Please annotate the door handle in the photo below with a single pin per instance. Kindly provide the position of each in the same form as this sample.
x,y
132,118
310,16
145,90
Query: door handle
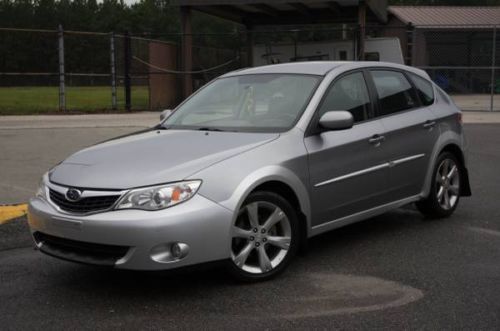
x,y
429,124
376,140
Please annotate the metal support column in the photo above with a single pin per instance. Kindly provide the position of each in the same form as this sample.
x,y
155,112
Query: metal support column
x,y
493,64
62,88
126,70
250,41
113,70
240,64
362,30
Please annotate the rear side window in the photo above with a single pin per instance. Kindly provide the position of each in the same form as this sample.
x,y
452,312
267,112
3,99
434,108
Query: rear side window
x,y
424,89
394,91
348,93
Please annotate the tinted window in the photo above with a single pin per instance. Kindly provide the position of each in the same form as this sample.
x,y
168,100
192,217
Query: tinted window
x,y
394,91
424,89
348,93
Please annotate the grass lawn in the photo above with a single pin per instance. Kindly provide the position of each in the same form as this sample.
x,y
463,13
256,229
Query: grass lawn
x,y
42,100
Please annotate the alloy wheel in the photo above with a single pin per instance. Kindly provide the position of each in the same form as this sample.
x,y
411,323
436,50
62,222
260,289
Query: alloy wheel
x,y
447,184
261,237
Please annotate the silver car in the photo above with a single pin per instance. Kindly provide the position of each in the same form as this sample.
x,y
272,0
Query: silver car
x,y
255,163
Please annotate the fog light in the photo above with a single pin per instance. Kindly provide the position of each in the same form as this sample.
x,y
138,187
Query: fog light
x,y
169,252
176,250
179,250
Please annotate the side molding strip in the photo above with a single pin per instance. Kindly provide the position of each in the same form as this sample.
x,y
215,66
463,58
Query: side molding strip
x,y
371,169
406,159
353,174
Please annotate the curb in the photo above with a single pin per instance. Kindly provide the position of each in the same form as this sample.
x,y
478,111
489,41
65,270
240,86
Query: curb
x,y
10,212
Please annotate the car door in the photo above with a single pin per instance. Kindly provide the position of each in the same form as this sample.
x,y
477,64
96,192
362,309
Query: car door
x,y
410,131
347,170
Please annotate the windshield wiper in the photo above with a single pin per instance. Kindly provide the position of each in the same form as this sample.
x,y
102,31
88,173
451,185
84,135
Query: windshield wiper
x,y
160,127
210,129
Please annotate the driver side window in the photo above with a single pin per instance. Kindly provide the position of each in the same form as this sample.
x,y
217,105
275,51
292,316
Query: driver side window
x,y
348,93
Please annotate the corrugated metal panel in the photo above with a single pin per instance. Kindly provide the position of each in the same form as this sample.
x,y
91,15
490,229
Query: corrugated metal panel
x,y
378,7
447,15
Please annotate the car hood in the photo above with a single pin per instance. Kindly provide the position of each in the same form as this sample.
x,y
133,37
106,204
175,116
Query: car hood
x,y
154,157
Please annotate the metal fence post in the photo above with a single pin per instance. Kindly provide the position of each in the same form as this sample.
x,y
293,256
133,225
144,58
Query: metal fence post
x,y
113,70
493,64
127,63
239,49
410,44
62,94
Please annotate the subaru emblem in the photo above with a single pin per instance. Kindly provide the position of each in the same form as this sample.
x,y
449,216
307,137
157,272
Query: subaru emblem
x,y
73,194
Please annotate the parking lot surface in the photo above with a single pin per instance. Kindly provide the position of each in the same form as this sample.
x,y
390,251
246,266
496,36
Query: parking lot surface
x,y
395,271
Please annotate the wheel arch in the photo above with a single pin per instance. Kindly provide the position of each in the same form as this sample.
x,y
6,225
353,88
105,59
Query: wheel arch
x,y
454,149
452,146
281,181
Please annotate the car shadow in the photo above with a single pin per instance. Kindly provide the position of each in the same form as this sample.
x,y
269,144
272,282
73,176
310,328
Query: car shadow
x,y
213,275
338,270
396,222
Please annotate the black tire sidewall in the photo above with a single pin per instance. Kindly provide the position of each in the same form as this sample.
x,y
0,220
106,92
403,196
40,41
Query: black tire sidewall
x,y
291,213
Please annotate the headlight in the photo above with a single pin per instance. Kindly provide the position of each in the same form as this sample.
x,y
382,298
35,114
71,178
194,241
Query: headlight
x,y
41,192
159,197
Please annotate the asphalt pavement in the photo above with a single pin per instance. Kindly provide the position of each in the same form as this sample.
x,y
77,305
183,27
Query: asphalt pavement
x,y
395,271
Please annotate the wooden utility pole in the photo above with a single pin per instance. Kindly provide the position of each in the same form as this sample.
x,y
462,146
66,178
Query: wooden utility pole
x,y
186,51
362,30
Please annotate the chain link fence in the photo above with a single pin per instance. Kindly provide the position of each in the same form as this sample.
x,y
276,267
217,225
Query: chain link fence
x,y
55,71
464,61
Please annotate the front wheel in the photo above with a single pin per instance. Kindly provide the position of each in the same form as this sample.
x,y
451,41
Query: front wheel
x,y
445,188
264,237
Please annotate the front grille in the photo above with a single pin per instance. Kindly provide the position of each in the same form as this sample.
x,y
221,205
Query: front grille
x,y
79,251
84,205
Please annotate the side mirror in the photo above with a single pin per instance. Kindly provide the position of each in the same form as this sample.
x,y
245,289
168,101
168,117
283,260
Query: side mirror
x,y
165,113
336,120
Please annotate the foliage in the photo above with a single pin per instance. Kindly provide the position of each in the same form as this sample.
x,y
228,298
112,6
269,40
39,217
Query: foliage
x,y
37,52
89,15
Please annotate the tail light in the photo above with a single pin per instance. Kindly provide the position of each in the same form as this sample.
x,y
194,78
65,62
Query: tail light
x,y
460,118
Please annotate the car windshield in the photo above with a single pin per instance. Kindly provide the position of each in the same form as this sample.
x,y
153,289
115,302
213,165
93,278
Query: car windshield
x,y
255,103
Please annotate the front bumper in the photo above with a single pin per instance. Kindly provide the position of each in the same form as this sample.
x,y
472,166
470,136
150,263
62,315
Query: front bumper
x,y
145,236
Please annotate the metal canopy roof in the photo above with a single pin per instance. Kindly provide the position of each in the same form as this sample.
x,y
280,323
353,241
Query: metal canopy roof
x,y
274,12
447,15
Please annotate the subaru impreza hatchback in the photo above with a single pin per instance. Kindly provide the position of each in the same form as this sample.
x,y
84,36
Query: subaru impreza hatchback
x,y
252,165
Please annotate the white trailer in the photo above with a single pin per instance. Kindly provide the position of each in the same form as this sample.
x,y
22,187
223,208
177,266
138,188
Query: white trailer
x,y
376,49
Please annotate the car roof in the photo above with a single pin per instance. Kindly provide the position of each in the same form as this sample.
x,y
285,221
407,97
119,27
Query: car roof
x,y
320,68
312,68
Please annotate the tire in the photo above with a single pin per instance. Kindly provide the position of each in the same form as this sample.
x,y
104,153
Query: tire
x,y
262,250
445,192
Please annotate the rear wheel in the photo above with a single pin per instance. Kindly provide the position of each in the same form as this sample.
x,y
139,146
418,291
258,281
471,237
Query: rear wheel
x,y
264,237
445,188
